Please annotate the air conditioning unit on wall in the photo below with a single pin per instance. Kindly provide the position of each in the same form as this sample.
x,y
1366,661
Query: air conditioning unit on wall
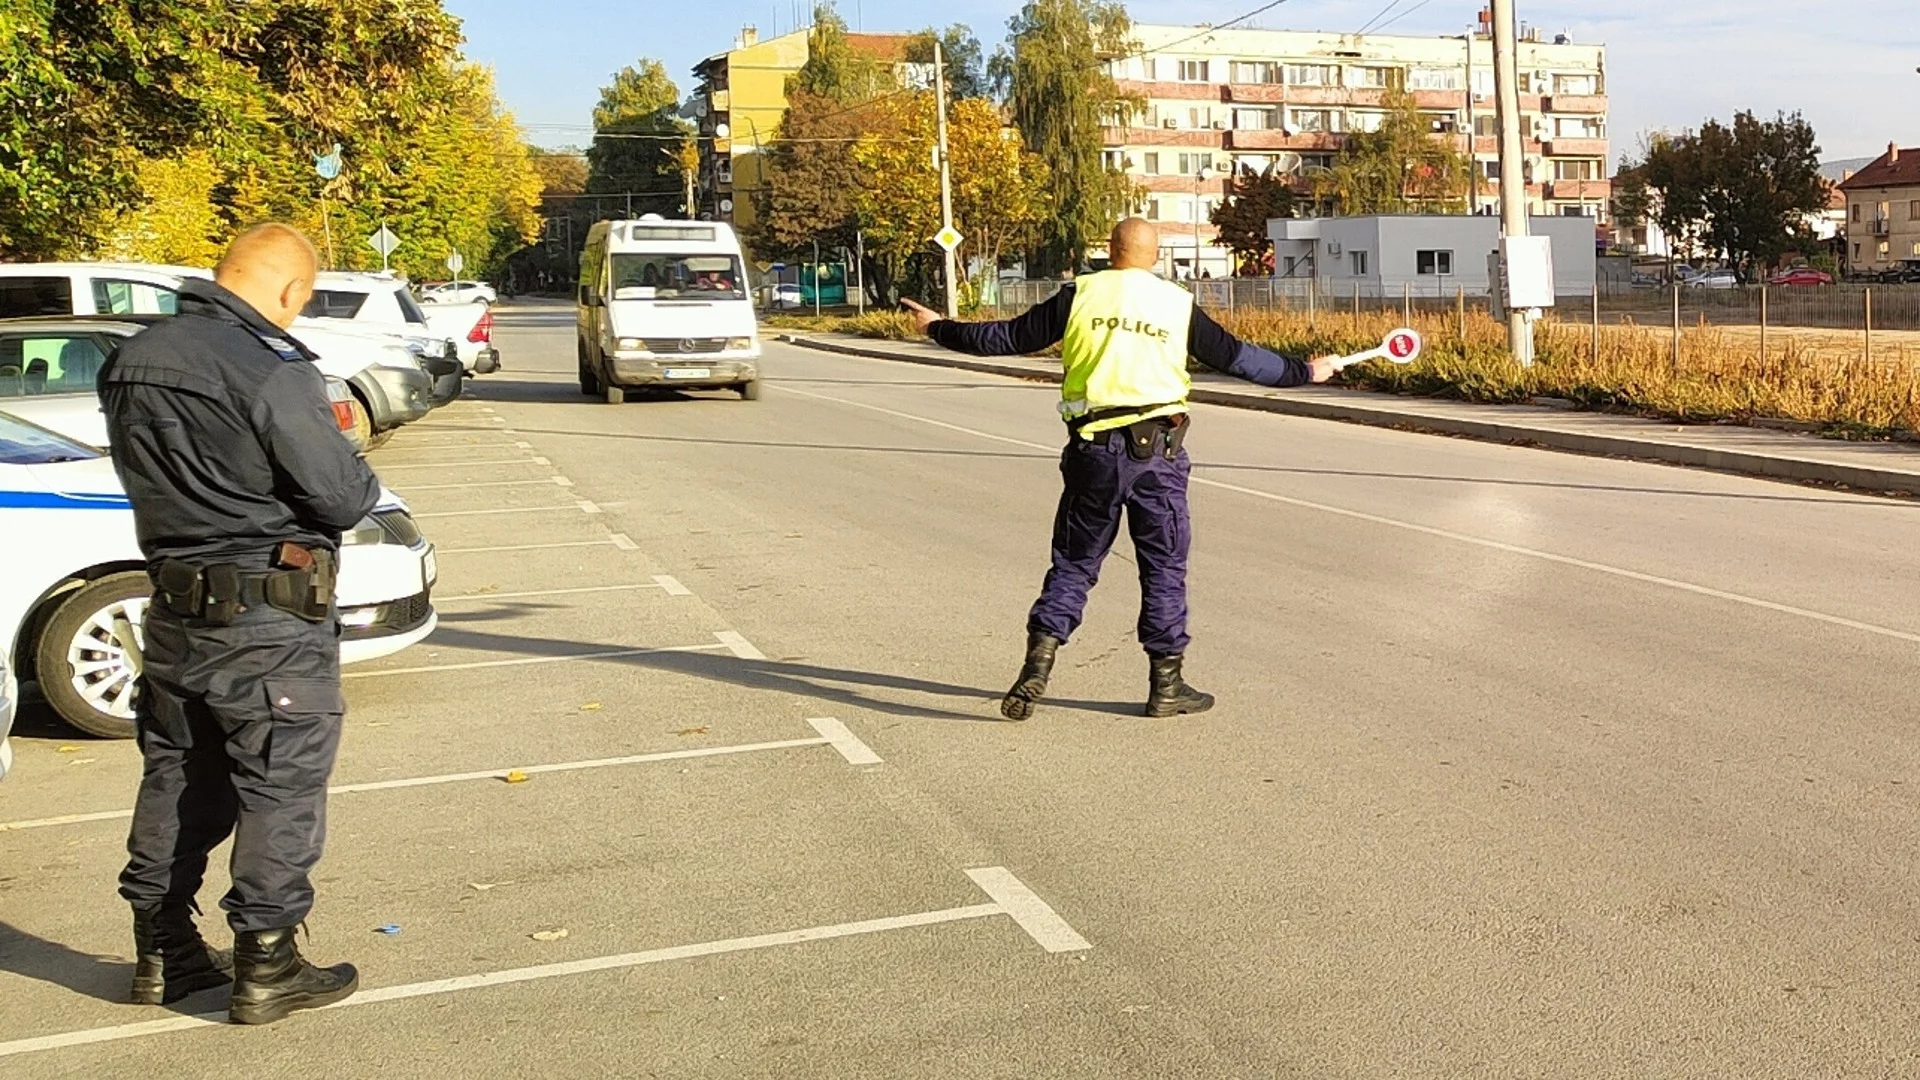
x,y
1219,125
1170,124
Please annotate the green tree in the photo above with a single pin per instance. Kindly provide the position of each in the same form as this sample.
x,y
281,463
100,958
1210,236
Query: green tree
x,y
1062,98
1743,189
1399,168
835,70
638,140
563,172
964,58
1252,200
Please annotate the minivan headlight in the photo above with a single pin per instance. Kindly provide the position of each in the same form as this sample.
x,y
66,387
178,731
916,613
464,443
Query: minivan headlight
x,y
738,343
628,343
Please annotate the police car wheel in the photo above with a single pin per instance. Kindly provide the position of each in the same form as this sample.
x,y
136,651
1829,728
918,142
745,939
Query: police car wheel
x,y
89,654
589,382
750,391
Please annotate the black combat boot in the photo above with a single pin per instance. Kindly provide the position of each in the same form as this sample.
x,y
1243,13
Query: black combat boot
x,y
1032,684
1168,694
171,959
272,979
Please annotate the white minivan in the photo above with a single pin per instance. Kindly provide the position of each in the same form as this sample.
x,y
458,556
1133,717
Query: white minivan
x,y
665,304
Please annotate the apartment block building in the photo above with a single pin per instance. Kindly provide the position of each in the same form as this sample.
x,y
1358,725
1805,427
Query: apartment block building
x,y
1883,211
1217,101
738,103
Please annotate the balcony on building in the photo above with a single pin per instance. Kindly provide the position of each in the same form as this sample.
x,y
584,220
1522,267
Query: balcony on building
x,y
1576,147
1181,91
1275,139
1594,104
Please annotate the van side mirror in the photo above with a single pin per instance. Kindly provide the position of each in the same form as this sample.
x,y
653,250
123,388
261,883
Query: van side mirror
x,y
589,298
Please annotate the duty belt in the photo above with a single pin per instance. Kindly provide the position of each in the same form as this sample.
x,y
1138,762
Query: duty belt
x,y
1160,434
302,587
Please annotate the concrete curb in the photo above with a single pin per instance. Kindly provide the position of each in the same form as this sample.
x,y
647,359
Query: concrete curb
x,y
1744,462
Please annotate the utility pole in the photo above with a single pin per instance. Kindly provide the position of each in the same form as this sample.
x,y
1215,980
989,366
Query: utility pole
x,y
946,176
1473,163
1513,184
860,264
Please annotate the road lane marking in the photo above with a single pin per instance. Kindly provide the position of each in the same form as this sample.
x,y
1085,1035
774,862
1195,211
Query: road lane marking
x,y
1032,915
845,741
523,661
526,547
465,464
624,542
549,481
1444,534
538,460
507,510
672,585
842,741
626,587
739,646
588,507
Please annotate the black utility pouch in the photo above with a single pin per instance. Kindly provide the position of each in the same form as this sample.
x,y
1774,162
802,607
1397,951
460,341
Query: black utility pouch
x,y
1144,438
223,594
1177,433
179,588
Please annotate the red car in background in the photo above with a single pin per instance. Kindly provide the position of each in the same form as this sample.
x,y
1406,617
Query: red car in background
x,y
1801,275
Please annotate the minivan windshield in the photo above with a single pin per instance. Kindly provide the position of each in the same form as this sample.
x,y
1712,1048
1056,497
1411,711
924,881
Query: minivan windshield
x,y
676,277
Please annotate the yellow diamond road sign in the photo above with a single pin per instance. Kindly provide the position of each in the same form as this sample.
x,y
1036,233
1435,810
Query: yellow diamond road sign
x,y
948,238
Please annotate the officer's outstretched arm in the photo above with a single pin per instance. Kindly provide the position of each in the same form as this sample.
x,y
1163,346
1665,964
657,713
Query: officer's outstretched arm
x,y
1037,329
1211,344
316,471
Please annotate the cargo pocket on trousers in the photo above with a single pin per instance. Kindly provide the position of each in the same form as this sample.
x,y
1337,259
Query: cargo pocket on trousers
x,y
296,700
305,732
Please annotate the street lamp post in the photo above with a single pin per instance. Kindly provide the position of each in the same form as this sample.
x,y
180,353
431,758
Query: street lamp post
x,y
1199,179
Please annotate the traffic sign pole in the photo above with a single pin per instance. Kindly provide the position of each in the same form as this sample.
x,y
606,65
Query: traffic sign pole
x,y
946,176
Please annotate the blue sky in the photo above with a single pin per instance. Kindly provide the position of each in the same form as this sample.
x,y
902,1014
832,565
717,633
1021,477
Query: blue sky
x,y
1847,64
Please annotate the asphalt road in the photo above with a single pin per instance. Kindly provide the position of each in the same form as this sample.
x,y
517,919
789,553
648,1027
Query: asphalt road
x,y
1526,765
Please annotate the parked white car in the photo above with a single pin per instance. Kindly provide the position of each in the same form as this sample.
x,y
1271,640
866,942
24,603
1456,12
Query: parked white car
x,y
382,302
1714,279
75,593
388,375
458,292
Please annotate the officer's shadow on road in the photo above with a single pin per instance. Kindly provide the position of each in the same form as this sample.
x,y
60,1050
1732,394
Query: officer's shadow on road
x,y
94,975
779,676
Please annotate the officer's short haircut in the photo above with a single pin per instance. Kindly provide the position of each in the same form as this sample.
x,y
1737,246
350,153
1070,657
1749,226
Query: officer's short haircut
x,y
270,242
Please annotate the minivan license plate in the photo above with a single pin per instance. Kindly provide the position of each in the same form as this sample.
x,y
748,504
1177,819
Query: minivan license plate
x,y
689,373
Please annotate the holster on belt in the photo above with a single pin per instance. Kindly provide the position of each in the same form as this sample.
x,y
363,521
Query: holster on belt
x,y
304,587
1161,434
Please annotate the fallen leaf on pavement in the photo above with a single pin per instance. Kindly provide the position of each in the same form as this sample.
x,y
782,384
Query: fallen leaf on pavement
x,y
515,777
591,706
83,761
554,934
483,886
692,730
68,750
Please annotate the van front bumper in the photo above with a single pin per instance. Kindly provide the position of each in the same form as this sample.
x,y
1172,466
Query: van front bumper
x,y
693,370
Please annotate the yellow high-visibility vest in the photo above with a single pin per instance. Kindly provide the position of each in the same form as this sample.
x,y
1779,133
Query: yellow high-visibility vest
x,y
1125,346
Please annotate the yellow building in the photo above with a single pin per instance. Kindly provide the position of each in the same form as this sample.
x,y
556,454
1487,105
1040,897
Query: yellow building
x,y
739,102
1883,212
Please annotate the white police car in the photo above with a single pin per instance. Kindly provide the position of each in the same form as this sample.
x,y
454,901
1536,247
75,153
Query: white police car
x,y
74,590
9,693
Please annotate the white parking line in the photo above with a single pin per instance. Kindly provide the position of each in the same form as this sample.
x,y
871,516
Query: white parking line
x,y
845,741
526,547
740,646
589,507
1059,937
510,510
628,587
672,585
539,460
523,661
624,542
465,464
455,778
551,481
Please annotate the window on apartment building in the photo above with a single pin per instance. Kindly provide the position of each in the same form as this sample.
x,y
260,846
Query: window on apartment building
x,y
1191,164
1884,250
1257,164
1442,123
1913,210
1316,161
1856,250
1378,78
1358,260
1150,164
1365,121
1577,210
1433,262
1315,120
1577,127
1576,169
1255,71
1195,70
1486,127
1115,160
1153,209
1448,78
1255,119
1856,214
1149,69
1916,249
1201,117
1575,84
1313,75
1491,169
1885,212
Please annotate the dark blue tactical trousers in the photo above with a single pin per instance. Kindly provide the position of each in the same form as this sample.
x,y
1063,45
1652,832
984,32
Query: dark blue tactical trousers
x,y
1100,481
238,727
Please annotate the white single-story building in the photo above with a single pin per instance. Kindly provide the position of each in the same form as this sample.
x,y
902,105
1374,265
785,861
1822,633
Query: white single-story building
x,y
1421,254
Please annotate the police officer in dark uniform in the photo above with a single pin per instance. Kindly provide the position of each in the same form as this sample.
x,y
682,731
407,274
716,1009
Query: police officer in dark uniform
x,y
241,486
1125,337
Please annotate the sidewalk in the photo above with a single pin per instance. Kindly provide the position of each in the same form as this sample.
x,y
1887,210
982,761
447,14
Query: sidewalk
x,y
1754,451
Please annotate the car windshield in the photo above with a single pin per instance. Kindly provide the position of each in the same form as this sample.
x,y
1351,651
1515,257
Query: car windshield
x,y
22,443
667,277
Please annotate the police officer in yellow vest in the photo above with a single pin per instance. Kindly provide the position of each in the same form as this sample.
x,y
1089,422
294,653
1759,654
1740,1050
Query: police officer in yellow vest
x,y
1125,337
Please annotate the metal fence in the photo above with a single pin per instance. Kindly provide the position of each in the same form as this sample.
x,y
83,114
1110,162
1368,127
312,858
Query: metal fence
x,y
1877,321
